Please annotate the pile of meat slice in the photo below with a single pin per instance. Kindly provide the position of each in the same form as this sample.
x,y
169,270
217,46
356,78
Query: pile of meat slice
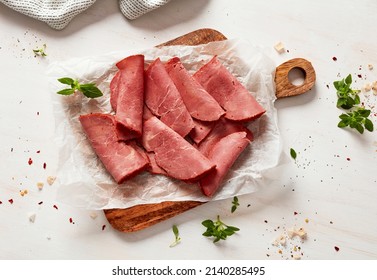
x,y
167,121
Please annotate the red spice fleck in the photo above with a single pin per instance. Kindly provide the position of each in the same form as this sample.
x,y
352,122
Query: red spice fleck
x,y
70,220
56,207
295,213
334,58
30,161
37,113
40,202
39,151
348,159
44,165
103,227
359,75
266,221
1,202
10,201
336,248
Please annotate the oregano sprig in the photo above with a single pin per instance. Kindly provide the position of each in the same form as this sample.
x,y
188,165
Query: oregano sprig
x,y
347,97
89,90
218,229
357,119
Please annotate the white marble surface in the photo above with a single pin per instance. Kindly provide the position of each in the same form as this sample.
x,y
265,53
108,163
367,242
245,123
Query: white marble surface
x,y
332,184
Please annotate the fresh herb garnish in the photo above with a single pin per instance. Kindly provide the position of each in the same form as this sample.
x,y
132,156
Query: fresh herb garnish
x,y
357,119
218,229
89,90
293,153
176,235
347,97
235,204
41,51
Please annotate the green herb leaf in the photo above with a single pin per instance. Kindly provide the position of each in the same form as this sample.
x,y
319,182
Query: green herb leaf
x,y
66,81
293,153
67,91
368,125
235,204
347,97
40,51
357,119
89,90
218,229
176,235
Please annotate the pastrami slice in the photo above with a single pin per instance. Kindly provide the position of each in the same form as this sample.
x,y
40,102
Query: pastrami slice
x,y
178,158
130,97
237,101
200,104
223,154
120,160
164,100
222,129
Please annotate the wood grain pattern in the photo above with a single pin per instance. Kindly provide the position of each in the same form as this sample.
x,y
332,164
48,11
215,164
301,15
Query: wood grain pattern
x,y
284,87
143,216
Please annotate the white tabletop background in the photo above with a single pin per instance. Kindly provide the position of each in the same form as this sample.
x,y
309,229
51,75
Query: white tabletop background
x,y
330,191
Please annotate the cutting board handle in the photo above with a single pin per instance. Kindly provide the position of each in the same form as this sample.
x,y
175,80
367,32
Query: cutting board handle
x,y
284,87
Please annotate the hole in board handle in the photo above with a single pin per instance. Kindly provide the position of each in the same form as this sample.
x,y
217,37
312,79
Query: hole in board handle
x,y
297,76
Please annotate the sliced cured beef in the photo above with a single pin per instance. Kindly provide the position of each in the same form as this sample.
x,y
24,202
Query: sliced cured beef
x,y
238,102
120,160
224,153
173,153
129,94
222,129
114,91
164,100
201,130
200,104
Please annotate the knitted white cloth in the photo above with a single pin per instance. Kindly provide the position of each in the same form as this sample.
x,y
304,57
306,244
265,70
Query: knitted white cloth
x,y
58,13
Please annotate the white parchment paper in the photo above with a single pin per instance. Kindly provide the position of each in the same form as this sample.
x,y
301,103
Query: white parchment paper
x,y
83,180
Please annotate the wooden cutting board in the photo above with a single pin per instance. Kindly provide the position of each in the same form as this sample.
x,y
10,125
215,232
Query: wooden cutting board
x,y
142,216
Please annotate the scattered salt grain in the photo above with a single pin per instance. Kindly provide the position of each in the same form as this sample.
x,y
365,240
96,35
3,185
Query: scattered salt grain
x,y
51,180
281,240
297,232
40,185
93,215
279,47
23,192
32,217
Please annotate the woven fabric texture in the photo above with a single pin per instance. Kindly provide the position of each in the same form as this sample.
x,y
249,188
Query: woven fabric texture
x,y
58,13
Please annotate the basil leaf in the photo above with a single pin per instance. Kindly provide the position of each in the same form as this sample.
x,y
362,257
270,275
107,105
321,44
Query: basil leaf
x,y
66,81
67,91
90,90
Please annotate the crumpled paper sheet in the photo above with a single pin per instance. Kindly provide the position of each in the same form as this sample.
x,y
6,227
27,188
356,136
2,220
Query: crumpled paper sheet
x,y
83,180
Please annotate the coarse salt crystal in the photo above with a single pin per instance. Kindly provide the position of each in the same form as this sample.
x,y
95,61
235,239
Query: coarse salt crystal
x,y
93,215
32,217
281,240
279,47
296,257
367,87
40,185
51,180
297,232
370,66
